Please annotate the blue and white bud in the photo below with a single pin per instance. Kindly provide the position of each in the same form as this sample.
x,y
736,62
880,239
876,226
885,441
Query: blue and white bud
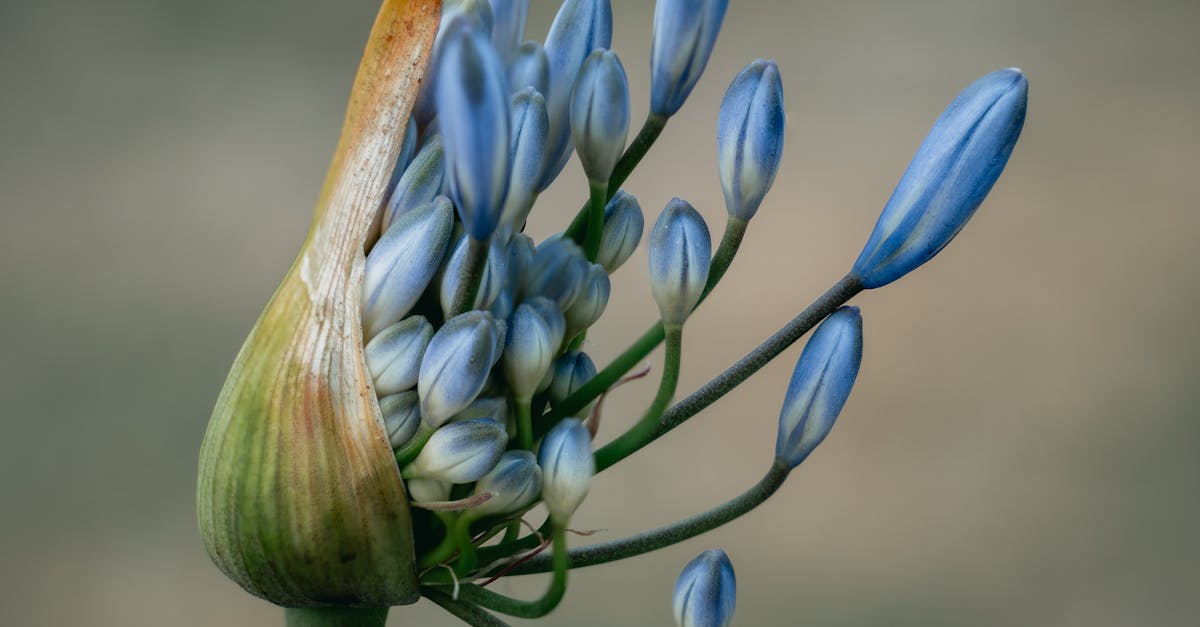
x,y
514,483
750,128
422,180
580,27
456,364
403,262
529,125
680,254
490,407
490,284
519,259
460,452
504,304
473,109
529,68
408,149
530,350
394,356
569,373
558,271
600,114
567,468
684,34
820,385
553,317
428,490
476,13
948,178
590,304
508,25
706,591
401,416
623,226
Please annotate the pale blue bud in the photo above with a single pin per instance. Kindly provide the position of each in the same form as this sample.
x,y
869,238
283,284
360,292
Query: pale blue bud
x,y
403,262
684,34
580,27
588,308
750,129
569,372
421,182
490,407
456,364
680,253
460,452
519,253
514,483
567,468
473,109
530,349
476,13
600,114
530,125
706,591
394,356
407,149
401,416
490,284
529,68
820,385
553,317
623,225
504,304
558,271
948,178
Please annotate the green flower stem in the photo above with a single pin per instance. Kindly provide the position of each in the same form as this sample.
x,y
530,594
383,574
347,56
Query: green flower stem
x,y
446,547
466,548
637,436
652,540
470,613
559,562
597,198
524,424
735,229
468,288
335,616
412,448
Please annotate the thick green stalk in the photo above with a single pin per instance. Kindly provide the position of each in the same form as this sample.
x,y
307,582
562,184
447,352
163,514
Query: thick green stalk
x,y
335,616
597,198
637,436
524,425
559,562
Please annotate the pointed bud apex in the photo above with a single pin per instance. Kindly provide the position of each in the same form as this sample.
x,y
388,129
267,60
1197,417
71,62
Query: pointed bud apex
x,y
553,316
600,114
570,372
460,452
529,68
623,225
394,356
820,385
401,416
530,350
684,34
508,25
514,483
421,182
952,172
457,363
588,308
750,129
478,15
530,125
557,272
519,259
680,253
402,263
567,468
706,591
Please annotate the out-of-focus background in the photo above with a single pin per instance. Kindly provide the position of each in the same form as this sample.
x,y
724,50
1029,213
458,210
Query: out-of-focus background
x,y
1022,448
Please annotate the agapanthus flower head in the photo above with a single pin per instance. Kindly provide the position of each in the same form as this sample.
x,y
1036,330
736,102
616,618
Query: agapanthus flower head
x,y
750,130
706,591
684,34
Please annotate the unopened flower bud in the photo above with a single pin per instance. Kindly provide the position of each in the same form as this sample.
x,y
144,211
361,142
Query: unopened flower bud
x,y
514,483
948,178
684,34
519,259
590,304
529,127
706,591
490,407
529,68
600,114
394,356
530,350
553,317
567,468
820,385
623,225
421,182
680,253
478,15
750,129
456,364
490,284
508,25
570,372
401,416
460,452
557,272
407,150
402,263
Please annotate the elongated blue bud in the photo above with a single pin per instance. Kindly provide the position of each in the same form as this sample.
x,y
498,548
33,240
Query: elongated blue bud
x,y
567,468
394,356
590,304
401,416
403,262
557,272
530,350
706,591
477,14
519,253
750,129
421,182
820,385
553,317
529,68
460,452
600,114
508,25
684,34
473,111
580,27
680,254
623,226
948,178
530,125
457,363
514,483
569,373
490,284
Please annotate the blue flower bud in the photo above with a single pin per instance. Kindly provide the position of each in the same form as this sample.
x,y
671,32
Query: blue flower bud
x,y
490,407
401,416
529,68
750,129
478,15
706,591
457,363
403,262
600,114
514,483
623,225
394,356
504,304
529,125
473,108
684,34
553,317
519,259
580,27
490,284
557,272
570,372
460,452
820,385
428,490
508,25
588,308
408,149
530,350
567,468
421,182
680,253
952,172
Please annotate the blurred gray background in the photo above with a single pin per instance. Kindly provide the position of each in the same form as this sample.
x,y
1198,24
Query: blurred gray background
x,y
1022,445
